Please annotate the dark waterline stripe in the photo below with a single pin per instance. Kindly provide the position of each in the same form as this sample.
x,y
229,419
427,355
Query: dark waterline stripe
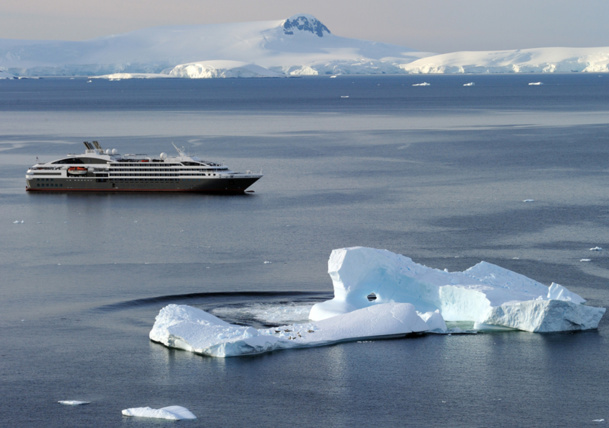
x,y
182,297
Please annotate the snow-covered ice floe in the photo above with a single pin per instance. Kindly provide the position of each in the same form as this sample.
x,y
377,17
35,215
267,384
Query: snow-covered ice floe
x,y
192,329
174,413
380,294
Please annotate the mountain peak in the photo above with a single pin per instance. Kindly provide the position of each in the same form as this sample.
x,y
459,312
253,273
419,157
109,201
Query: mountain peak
x,y
304,23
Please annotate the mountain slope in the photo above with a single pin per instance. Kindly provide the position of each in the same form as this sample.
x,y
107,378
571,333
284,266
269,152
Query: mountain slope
x,y
299,45
540,60
297,42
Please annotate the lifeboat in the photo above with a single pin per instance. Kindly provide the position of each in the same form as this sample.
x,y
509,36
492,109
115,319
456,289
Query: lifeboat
x,y
77,170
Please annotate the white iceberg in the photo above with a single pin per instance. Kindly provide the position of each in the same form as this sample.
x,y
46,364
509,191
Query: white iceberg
x,y
485,294
220,69
192,329
73,402
380,294
174,413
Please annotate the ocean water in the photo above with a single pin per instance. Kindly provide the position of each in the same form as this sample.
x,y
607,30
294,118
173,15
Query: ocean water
x,y
502,171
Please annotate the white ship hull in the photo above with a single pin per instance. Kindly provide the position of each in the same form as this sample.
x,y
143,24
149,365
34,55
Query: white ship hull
x,y
99,171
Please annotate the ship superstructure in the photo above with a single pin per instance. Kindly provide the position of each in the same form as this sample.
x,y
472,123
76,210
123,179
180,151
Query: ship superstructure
x,y
99,170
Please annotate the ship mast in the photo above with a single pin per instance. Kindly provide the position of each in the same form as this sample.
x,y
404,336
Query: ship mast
x,y
180,151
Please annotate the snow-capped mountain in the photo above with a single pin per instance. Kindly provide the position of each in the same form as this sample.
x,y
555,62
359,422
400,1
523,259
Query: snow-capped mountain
x,y
299,45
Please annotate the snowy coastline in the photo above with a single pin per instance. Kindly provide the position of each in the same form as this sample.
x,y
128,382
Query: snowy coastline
x,y
298,46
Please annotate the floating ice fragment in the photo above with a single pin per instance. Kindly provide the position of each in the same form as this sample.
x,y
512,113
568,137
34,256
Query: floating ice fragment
x,y
535,83
266,262
421,84
18,222
469,84
73,402
528,200
194,330
585,260
174,413
596,249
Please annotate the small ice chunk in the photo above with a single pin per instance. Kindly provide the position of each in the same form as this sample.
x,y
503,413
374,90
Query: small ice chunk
x,y
596,249
73,402
585,260
174,413
528,200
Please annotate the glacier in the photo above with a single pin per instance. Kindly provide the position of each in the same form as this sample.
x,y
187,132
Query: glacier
x,y
380,294
300,45
538,60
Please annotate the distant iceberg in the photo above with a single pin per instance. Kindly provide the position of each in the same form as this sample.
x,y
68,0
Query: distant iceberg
x,y
380,294
173,413
73,402
221,69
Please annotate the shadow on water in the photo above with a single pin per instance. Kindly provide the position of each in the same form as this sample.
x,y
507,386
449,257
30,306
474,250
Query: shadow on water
x,y
216,298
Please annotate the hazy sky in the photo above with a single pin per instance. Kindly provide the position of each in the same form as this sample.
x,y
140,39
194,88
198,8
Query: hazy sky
x,y
426,25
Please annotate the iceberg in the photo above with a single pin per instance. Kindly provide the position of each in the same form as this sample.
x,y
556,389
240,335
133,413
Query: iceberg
x,y
174,413
73,402
380,294
487,295
220,69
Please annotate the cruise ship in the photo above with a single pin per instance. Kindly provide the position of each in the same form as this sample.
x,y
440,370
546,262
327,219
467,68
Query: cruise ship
x,y
99,170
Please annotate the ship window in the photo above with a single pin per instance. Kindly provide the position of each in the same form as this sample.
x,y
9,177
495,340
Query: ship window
x,y
68,160
93,160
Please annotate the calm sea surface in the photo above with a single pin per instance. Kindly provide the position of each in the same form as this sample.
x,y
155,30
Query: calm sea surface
x,y
439,173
